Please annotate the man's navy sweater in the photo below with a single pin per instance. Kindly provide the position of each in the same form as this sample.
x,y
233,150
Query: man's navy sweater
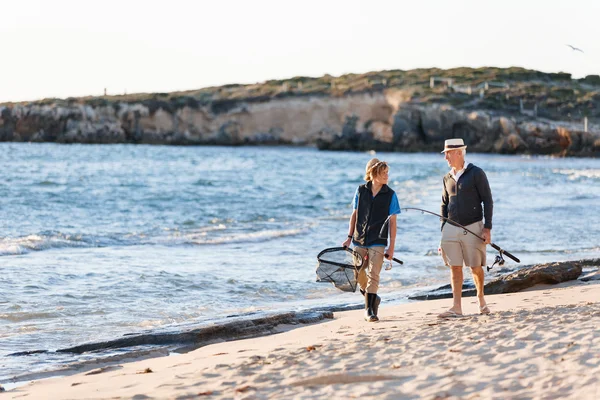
x,y
462,201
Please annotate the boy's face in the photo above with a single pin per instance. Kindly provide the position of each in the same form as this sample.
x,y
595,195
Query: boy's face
x,y
382,177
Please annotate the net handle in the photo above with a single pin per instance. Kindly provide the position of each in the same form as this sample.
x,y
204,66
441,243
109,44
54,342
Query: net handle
x,y
347,249
332,249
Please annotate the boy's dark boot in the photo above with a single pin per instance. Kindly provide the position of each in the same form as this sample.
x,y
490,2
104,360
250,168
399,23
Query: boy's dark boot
x,y
370,315
375,306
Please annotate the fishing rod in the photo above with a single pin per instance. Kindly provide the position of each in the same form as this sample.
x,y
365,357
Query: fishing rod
x,y
382,235
499,258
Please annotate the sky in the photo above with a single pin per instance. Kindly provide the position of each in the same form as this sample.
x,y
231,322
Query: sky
x,y
64,48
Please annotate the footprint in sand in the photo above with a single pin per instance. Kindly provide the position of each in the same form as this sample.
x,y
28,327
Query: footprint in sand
x,y
104,369
179,365
345,378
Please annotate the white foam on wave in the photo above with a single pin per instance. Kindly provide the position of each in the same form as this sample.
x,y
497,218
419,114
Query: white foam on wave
x,y
249,237
39,242
203,231
575,174
26,244
215,234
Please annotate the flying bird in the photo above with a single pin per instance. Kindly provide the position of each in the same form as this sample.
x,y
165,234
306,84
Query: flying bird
x,y
575,48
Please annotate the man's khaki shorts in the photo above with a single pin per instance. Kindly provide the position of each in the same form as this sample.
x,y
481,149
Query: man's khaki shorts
x,y
460,248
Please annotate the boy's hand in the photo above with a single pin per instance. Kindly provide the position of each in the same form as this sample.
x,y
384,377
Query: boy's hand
x,y
389,253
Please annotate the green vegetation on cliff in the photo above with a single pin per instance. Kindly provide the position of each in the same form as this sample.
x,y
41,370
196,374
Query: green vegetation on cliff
x,y
556,95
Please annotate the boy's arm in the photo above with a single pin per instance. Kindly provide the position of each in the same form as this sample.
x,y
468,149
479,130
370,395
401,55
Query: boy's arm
x,y
392,222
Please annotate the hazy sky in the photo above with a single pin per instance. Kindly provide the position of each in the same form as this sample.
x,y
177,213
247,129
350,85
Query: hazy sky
x,y
62,48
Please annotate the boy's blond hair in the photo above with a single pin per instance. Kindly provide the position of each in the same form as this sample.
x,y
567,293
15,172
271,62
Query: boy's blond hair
x,y
374,167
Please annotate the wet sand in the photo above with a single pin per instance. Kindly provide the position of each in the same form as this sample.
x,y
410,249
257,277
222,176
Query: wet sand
x,y
536,344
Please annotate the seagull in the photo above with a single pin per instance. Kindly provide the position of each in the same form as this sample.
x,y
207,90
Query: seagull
x,y
575,48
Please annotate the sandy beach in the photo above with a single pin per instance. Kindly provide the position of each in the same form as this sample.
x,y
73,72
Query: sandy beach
x,y
537,344
195,193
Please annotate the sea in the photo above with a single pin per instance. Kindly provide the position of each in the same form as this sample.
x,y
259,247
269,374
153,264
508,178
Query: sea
x,y
102,241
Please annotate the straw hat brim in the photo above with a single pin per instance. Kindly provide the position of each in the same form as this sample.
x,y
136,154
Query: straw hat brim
x,y
454,148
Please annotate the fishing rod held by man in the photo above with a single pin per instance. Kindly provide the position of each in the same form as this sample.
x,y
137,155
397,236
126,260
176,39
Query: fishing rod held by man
x,y
466,199
495,246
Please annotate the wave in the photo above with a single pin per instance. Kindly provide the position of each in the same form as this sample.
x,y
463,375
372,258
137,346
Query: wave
x,y
27,316
575,174
583,197
250,237
38,242
558,251
203,182
48,183
207,235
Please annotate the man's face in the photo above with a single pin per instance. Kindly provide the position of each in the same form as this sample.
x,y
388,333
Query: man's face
x,y
455,158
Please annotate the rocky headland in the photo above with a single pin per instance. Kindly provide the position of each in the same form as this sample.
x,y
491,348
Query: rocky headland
x,y
510,111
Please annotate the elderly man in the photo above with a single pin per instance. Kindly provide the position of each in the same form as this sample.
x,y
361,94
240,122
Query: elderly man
x,y
465,189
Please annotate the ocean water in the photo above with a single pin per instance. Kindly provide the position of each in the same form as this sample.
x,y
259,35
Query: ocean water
x,y
100,241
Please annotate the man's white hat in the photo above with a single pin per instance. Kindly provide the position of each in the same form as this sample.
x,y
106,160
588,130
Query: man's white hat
x,y
454,144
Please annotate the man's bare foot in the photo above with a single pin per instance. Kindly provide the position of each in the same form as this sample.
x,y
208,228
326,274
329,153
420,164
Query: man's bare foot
x,y
451,314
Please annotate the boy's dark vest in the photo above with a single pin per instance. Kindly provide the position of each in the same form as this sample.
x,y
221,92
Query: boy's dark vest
x,y
371,214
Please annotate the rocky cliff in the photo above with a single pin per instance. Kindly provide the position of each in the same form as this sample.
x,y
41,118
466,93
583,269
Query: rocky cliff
x,y
418,127
291,120
382,111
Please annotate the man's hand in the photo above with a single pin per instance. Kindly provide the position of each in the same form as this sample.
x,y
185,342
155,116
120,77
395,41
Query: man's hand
x,y
487,235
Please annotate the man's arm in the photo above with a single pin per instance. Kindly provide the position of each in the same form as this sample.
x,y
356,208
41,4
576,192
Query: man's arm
x,y
444,206
485,193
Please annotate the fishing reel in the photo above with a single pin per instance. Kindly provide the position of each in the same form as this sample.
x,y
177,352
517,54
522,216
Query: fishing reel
x,y
498,260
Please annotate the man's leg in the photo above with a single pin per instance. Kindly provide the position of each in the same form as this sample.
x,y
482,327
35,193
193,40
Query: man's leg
x,y
457,284
451,251
475,257
478,278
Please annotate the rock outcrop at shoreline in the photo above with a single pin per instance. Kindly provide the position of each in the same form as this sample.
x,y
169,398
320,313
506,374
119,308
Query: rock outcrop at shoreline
x,y
390,111
524,278
198,337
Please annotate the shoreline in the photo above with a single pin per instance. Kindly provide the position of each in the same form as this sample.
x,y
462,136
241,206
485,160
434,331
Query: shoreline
x,y
167,342
380,147
545,327
173,342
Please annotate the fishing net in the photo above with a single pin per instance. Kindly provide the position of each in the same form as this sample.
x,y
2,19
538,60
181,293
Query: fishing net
x,y
338,266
